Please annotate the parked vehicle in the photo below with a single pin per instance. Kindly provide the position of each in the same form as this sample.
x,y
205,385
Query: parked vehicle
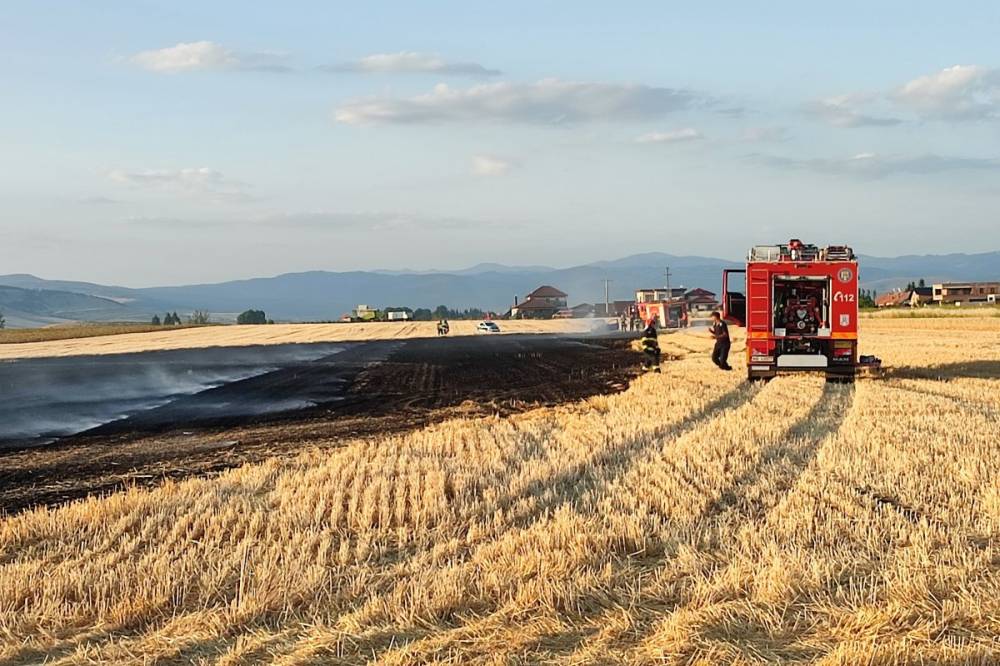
x,y
488,327
800,310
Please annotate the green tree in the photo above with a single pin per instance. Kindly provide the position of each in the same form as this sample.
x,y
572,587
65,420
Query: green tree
x,y
252,317
3,322
422,314
442,312
156,320
174,319
921,283
197,317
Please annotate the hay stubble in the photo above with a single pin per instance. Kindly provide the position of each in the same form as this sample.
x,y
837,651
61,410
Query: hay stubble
x,y
691,519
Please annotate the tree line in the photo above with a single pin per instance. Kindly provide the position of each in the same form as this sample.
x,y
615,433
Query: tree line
x,y
173,319
440,312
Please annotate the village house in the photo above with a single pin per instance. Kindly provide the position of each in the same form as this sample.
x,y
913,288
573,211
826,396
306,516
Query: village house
x,y
542,303
957,293
701,300
893,299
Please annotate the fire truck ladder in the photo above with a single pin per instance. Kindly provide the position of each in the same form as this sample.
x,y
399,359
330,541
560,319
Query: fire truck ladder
x,y
759,305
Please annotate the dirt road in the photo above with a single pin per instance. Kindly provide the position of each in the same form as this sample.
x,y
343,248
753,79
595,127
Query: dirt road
x,y
365,390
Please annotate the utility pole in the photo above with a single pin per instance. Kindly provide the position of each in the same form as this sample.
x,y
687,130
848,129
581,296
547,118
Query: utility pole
x,y
607,300
666,274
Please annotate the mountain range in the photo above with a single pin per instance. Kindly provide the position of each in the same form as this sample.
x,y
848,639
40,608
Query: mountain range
x,y
27,300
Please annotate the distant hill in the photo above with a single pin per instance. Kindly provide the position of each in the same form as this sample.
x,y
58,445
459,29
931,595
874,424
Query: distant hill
x,y
41,307
25,281
325,295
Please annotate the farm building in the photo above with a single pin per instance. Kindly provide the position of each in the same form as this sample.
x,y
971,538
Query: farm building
x,y
542,303
365,313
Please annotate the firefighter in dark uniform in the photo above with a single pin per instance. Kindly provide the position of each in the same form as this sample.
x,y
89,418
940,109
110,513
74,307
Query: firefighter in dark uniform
x,y
720,332
651,347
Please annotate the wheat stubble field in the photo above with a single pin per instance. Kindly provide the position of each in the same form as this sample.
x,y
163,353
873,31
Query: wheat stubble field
x,y
692,519
99,340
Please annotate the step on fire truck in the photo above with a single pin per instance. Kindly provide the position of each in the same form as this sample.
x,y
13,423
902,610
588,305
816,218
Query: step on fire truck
x,y
800,310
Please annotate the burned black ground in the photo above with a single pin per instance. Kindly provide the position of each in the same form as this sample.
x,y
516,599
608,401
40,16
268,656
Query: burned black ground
x,y
366,391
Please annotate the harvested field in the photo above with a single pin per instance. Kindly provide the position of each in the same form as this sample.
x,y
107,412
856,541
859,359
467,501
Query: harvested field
x,y
74,331
692,519
274,334
933,312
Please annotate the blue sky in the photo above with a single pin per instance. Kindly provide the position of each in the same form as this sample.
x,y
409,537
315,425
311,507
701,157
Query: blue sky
x,y
148,143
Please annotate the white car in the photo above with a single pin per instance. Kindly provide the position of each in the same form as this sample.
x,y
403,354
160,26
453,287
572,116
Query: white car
x,y
488,327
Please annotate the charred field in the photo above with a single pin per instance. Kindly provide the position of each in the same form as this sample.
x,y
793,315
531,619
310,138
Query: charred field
x,y
369,389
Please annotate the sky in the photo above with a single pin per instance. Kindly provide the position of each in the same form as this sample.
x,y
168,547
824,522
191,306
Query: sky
x,y
147,143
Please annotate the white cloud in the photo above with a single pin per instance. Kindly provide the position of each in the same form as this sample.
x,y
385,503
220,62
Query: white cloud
x,y
959,93
409,62
962,92
205,55
673,136
843,111
486,165
547,102
874,165
201,183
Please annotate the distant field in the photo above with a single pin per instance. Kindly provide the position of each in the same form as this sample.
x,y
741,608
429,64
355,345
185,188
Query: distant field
x,y
70,332
692,519
150,338
933,312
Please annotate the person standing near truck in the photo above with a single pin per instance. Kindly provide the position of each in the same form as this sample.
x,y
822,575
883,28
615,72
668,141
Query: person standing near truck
x,y
651,347
720,332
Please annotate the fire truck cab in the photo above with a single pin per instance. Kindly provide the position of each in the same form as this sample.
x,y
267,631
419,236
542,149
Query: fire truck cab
x,y
800,309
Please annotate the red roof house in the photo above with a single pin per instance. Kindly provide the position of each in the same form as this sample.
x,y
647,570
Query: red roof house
x,y
542,303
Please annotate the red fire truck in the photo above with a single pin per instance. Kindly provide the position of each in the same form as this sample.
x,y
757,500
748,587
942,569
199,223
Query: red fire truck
x,y
800,310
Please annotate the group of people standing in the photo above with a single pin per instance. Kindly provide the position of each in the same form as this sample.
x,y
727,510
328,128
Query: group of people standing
x,y
719,331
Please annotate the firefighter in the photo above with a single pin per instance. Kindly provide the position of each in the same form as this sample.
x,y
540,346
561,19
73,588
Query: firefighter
x,y
720,332
651,347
